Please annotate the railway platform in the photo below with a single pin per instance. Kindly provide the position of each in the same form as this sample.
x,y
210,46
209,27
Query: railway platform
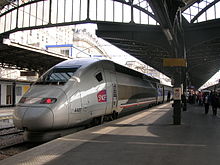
x,y
6,116
5,111
146,137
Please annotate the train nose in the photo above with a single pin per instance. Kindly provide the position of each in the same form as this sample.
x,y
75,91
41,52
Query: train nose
x,y
18,115
34,118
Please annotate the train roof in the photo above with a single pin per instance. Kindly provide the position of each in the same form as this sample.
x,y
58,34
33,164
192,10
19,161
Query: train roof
x,y
84,62
126,70
77,62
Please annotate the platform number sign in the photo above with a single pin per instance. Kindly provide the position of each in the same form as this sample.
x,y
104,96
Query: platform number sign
x,y
102,96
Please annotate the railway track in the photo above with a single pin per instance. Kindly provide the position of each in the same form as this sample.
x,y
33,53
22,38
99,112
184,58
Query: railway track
x,y
10,136
11,130
16,149
11,142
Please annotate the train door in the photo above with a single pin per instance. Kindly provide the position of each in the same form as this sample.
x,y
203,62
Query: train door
x,y
164,94
112,93
93,92
159,93
99,97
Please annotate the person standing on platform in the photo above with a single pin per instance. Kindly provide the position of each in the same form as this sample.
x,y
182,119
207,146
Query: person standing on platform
x,y
206,101
214,101
199,97
168,96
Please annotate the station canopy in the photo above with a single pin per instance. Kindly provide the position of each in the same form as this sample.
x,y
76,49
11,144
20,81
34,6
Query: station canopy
x,y
196,33
151,44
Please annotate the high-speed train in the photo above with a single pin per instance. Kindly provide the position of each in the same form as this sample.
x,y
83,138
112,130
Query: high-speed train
x,y
79,91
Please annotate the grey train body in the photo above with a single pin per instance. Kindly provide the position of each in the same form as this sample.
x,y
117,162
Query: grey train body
x,y
76,91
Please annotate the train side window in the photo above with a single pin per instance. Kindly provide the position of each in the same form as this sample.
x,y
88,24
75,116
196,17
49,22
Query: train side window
x,y
99,77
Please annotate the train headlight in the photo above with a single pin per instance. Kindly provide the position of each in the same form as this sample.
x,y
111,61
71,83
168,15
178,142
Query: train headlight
x,y
48,100
26,100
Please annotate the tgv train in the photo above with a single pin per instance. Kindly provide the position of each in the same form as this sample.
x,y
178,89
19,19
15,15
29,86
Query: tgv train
x,y
79,91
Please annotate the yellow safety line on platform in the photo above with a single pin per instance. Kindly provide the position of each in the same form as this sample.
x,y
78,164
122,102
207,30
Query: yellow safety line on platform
x,y
5,117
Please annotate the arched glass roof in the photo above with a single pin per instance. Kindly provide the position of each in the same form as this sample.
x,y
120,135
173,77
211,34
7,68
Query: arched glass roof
x,y
24,15
203,10
119,21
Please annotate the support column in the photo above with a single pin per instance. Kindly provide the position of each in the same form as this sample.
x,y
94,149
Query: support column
x,y
182,52
184,101
177,64
177,97
180,75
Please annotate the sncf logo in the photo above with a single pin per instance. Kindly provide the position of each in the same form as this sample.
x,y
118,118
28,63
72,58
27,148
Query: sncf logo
x,y
102,97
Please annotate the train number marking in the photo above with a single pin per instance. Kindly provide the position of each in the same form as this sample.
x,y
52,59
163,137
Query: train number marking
x,y
102,96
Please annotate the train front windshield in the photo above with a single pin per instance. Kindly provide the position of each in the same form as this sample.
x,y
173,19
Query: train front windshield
x,y
57,76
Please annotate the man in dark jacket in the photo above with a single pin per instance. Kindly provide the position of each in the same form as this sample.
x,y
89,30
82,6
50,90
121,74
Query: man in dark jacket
x,y
214,102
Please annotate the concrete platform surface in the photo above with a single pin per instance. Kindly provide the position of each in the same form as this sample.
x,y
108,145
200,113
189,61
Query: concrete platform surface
x,y
6,112
145,138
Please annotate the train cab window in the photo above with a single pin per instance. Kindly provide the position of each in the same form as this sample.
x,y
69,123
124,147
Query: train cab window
x,y
57,76
99,77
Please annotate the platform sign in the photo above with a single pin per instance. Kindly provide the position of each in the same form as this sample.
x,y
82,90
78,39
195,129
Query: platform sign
x,y
174,62
177,93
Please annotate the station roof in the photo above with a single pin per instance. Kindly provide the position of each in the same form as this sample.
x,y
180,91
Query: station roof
x,y
148,43
15,55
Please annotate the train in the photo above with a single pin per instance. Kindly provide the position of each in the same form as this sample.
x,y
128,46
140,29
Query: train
x,y
80,91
